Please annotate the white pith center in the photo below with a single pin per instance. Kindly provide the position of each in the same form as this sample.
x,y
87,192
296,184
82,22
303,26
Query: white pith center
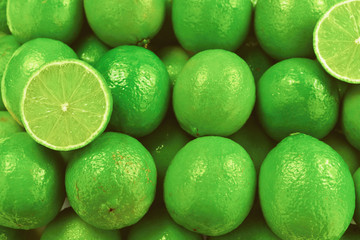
x,y
64,107
357,41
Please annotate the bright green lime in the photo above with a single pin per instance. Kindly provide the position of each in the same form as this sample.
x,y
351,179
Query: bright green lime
x,y
90,49
8,125
3,22
32,183
306,190
66,105
210,185
352,233
337,41
351,115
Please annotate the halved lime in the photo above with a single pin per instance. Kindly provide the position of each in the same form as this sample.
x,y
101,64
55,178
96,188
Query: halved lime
x,y
65,105
337,41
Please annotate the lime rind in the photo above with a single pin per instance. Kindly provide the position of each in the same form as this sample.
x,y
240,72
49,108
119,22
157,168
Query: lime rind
x,y
343,38
46,109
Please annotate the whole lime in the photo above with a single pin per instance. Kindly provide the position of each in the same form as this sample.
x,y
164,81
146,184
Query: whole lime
x,y
111,183
209,186
3,22
8,125
140,88
350,115
297,95
90,49
214,94
32,181
306,190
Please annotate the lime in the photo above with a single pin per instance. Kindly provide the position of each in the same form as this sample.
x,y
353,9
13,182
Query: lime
x,y
306,190
3,23
342,87
214,94
351,115
111,183
140,87
8,125
32,180
66,105
296,95
67,225
26,60
337,41
352,233
56,19
90,49
356,177
209,186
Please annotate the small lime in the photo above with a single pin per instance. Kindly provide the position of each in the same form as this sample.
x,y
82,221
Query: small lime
x,y
90,49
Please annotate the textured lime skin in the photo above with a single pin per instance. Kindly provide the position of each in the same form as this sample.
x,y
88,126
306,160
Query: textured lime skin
x,y
306,190
351,115
26,60
356,178
215,24
127,21
3,23
209,186
140,88
297,95
8,45
214,94
91,49
8,125
352,233
56,19
278,25
67,225
32,179
111,182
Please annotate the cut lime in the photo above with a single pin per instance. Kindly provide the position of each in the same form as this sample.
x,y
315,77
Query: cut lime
x,y
337,41
65,105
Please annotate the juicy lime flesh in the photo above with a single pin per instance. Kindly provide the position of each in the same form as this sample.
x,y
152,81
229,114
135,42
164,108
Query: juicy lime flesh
x,y
66,105
337,41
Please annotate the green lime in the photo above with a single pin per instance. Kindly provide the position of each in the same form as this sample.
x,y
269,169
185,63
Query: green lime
x,y
342,87
26,60
352,233
140,88
351,115
111,183
3,22
8,125
214,94
285,29
56,19
296,95
209,186
90,49
32,180
306,190
67,225
66,105
125,22
337,41
356,177
8,45
174,59
217,24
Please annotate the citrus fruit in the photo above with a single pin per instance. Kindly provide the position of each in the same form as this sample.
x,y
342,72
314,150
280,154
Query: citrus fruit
x,y
306,190
296,95
356,177
209,186
8,45
3,23
352,233
8,125
111,182
285,29
140,87
90,49
66,105
67,225
127,21
214,94
31,177
350,115
337,41
56,19
26,60
342,87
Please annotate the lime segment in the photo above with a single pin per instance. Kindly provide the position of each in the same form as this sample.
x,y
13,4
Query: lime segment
x,y
337,41
65,105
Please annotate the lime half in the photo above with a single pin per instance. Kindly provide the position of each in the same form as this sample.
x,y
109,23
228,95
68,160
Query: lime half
x,y
337,41
65,105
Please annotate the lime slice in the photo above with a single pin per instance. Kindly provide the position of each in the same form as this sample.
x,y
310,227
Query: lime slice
x,y
337,41
65,105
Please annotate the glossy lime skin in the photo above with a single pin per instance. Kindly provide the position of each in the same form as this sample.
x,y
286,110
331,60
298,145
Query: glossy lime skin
x,y
67,225
350,116
352,233
125,22
8,125
356,178
8,45
3,23
32,180
56,19
209,186
26,60
214,24
214,94
111,182
91,49
297,95
306,190
140,88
